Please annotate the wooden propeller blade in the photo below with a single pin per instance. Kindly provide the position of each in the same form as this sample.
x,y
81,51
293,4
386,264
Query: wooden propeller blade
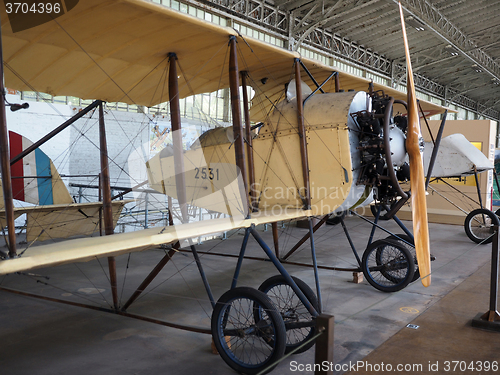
x,y
417,179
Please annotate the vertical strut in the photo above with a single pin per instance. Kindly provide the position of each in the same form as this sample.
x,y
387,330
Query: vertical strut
x,y
437,142
302,136
315,265
248,136
175,115
180,180
107,209
274,227
240,258
478,187
234,84
5,166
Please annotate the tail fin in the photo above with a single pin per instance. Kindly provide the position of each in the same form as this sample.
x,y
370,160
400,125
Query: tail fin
x,y
34,178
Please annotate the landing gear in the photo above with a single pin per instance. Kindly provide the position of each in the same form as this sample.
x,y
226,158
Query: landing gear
x,y
299,324
387,265
405,240
248,345
479,225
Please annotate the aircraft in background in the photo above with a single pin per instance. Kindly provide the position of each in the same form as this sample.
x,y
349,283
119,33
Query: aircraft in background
x,y
51,213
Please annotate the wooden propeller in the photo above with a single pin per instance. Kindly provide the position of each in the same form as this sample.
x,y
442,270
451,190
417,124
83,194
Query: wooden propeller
x,y
417,179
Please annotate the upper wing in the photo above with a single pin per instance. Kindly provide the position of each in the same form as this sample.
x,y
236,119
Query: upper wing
x,y
116,51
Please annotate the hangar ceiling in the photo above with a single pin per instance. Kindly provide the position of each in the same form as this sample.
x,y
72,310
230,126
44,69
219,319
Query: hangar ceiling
x,y
455,44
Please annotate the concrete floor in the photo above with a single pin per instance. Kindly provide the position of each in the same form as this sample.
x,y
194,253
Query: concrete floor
x,y
43,337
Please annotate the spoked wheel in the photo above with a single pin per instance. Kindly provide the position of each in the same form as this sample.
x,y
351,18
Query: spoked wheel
x,y
479,225
387,265
299,324
246,345
411,249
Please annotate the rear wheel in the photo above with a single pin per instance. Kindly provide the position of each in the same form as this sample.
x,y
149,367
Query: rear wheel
x,y
387,265
248,346
479,225
299,323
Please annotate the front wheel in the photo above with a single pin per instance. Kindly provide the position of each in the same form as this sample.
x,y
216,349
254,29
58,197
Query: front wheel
x,y
387,265
479,225
248,346
409,244
299,324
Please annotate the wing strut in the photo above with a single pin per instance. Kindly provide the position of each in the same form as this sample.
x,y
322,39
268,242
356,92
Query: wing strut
x,y
106,205
234,84
5,165
248,136
302,135
175,115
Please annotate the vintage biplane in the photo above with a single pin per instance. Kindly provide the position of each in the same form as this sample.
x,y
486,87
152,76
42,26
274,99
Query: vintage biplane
x,y
315,152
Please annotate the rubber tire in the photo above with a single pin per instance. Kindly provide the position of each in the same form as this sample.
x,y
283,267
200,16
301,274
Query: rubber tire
x,y
297,306
253,299
468,225
412,250
386,282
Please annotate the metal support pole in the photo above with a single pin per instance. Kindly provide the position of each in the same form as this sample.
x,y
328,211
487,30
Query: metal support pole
x,y
234,84
491,319
350,241
203,276
315,265
319,88
248,136
403,227
494,279
372,232
107,208
241,256
426,122
302,136
478,188
324,344
435,150
274,227
310,75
